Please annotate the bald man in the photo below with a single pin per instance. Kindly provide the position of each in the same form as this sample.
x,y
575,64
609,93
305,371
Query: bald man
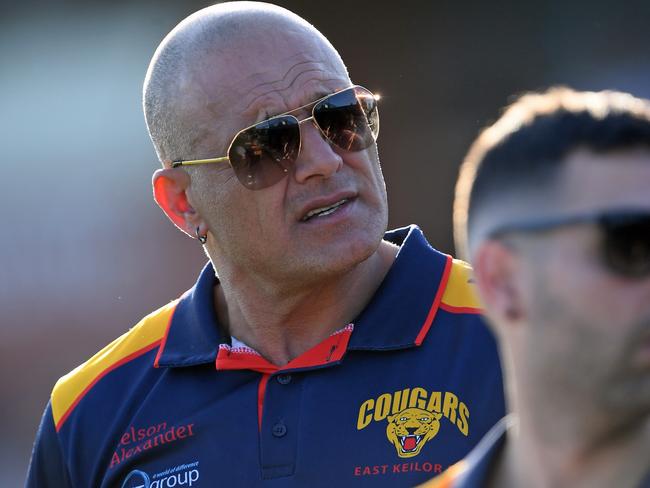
x,y
315,347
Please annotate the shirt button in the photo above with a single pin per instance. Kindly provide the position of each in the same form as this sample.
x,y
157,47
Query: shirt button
x,y
279,429
284,379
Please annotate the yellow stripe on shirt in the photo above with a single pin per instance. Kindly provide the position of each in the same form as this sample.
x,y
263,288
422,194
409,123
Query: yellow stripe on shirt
x,y
145,336
460,294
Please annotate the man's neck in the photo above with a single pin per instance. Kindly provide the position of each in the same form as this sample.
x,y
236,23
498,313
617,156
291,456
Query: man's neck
x,y
282,323
611,457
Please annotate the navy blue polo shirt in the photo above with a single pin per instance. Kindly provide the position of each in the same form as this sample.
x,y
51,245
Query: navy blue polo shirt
x,y
391,399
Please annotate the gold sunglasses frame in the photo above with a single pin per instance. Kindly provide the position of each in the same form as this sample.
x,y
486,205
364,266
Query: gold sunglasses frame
x,y
189,162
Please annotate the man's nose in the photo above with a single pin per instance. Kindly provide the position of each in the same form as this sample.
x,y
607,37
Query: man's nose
x,y
317,156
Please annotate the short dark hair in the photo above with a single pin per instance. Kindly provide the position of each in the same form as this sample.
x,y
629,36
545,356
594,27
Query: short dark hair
x,y
524,150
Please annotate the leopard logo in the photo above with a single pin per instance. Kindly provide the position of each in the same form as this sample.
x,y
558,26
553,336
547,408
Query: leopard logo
x,y
410,429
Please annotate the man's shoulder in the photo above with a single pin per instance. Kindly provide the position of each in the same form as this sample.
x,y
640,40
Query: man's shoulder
x,y
144,337
460,294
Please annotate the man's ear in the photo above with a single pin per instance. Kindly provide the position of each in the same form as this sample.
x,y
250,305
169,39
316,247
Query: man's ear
x,y
496,268
170,187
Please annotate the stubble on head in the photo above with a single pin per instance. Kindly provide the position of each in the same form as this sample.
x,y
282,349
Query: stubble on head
x,y
231,79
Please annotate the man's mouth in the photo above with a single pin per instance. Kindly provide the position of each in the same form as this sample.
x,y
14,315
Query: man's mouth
x,y
409,442
323,211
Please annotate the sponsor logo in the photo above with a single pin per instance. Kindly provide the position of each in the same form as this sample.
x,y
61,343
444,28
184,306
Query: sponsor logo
x,y
138,440
413,416
137,479
183,475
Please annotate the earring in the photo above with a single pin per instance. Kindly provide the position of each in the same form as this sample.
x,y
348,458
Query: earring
x,y
202,239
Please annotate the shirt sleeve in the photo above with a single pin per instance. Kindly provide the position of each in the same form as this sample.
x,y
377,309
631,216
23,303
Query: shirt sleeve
x,y
47,468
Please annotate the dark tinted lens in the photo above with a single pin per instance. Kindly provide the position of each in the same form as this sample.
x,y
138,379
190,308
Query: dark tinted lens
x,y
261,155
349,119
627,245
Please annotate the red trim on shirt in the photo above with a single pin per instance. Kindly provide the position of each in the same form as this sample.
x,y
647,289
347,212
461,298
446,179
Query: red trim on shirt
x,y
122,361
452,309
163,342
436,303
261,391
330,350
240,358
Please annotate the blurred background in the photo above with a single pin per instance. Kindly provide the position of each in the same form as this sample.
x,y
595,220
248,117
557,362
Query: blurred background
x,y
85,252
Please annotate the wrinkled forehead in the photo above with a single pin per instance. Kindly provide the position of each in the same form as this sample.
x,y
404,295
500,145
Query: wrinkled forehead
x,y
281,65
294,81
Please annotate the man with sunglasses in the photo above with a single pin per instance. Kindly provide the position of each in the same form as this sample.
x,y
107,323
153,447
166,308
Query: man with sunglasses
x,y
553,209
315,348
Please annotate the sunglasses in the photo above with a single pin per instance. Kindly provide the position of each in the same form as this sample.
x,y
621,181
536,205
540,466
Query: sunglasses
x,y
625,237
262,154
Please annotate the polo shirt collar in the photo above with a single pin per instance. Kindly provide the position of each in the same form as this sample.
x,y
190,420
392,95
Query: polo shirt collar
x,y
398,316
193,334
405,304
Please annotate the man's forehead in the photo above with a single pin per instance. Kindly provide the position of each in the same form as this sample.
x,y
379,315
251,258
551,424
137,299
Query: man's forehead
x,y
593,180
245,86
291,73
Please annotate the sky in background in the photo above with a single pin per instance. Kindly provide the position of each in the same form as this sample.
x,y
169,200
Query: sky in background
x,y
84,250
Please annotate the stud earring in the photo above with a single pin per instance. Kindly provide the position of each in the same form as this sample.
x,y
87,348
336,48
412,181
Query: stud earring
x,y
202,239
